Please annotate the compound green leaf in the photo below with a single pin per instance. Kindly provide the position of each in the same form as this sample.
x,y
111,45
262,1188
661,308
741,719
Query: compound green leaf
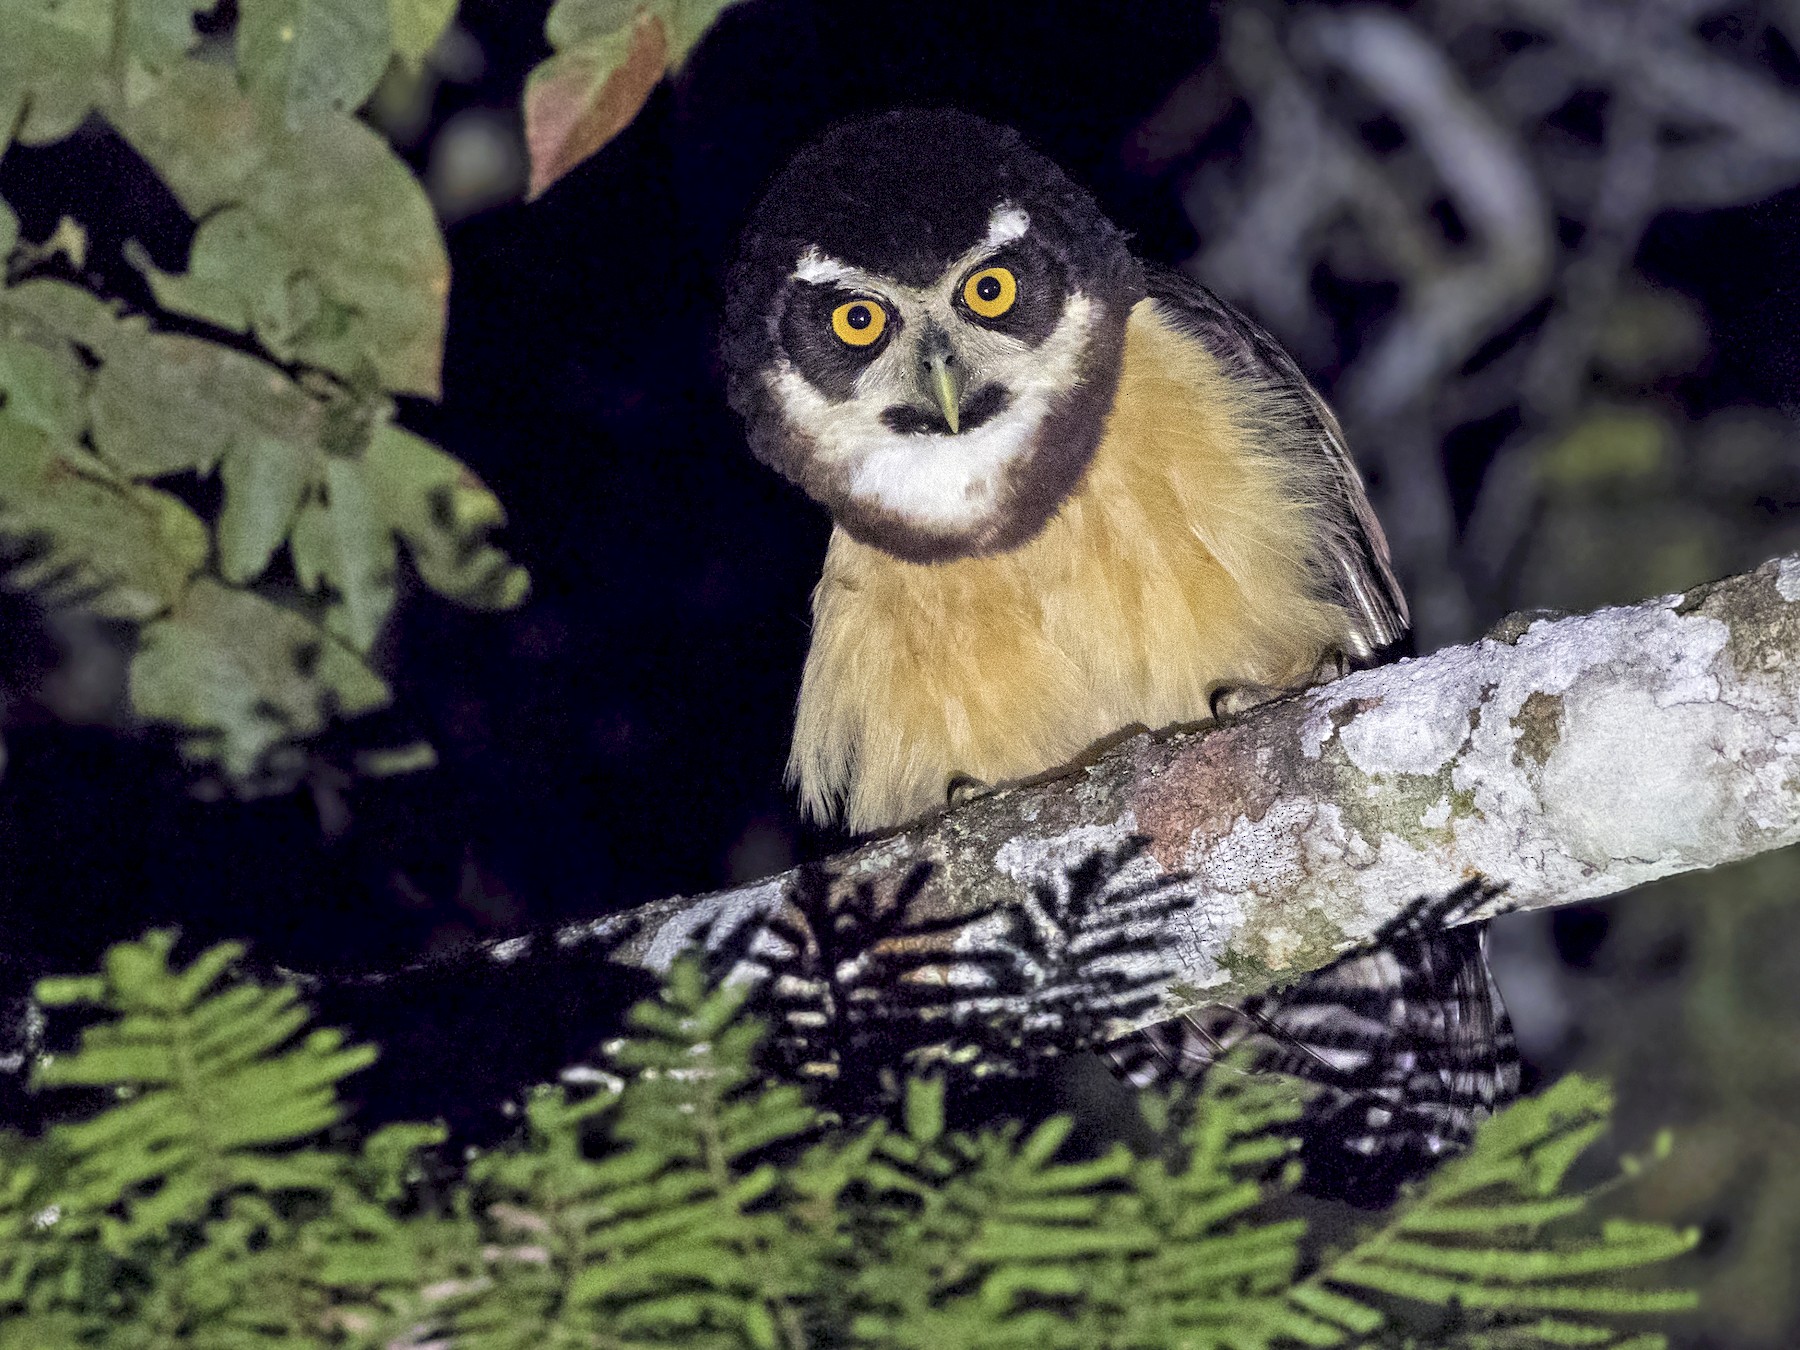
x,y
232,667
417,25
164,402
308,56
127,550
264,478
362,265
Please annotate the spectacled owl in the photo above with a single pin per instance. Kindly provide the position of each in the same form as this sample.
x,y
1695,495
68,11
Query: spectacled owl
x,y
1071,491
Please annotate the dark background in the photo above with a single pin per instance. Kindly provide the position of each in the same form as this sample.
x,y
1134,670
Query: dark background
x,y
622,736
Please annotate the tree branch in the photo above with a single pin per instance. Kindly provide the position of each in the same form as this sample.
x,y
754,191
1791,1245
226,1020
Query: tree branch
x,y
1568,758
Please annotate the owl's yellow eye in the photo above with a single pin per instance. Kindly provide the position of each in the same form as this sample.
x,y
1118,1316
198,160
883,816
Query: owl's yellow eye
x,y
858,322
991,291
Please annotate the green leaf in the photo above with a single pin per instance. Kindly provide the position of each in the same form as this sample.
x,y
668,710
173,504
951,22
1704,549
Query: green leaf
x,y
444,514
190,1211
414,758
1506,1269
307,56
417,25
573,21
684,22
127,550
212,1082
53,64
354,689
233,668
359,558
66,311
264,479
44,384
9,228
588,93
164,402
238,275
688,22
1609,446
360,277
924,1110
609,55
161,32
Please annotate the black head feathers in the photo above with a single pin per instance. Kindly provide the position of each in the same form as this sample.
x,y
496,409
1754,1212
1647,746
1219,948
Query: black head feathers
x,y
887,207
903,192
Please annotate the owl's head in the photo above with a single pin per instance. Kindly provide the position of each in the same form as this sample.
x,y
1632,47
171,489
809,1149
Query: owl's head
x,y
924,329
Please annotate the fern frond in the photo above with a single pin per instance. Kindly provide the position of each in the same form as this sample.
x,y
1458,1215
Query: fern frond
x,y
1221,1262
692,1203
1473,1241
675,1237
189,1211
989,1232
214,1087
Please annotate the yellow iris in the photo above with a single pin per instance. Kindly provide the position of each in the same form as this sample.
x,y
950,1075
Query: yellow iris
x,y
990,292
858,322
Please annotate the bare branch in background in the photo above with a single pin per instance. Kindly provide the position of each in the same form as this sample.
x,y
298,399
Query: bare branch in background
x,y
1434,151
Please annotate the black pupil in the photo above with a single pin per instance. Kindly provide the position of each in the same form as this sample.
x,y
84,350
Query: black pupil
x,y
859,317
988,288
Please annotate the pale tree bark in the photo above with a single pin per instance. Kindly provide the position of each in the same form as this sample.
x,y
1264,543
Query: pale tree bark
x,y
1567,758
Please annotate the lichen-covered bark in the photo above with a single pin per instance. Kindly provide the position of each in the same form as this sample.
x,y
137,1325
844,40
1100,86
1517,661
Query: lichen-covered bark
x,y
1568,758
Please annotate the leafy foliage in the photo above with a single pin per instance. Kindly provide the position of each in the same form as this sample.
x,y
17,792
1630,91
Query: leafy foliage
x,y
609,55
314,292
682,1198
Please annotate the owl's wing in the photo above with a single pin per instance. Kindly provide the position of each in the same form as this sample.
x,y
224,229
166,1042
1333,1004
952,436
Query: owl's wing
x,y
1355,549
1405,1042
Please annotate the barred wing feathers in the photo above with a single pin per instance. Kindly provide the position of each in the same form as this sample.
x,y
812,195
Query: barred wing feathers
x,y
1406,1041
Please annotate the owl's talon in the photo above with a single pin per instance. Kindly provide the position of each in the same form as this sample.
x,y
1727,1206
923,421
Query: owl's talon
x,y
1231,699
964,788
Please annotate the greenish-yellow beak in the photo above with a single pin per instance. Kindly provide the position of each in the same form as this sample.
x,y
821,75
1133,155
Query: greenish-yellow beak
x,y
944,385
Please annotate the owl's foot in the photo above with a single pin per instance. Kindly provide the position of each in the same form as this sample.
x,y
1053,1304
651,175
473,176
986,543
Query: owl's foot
x,y
1231,699
964,788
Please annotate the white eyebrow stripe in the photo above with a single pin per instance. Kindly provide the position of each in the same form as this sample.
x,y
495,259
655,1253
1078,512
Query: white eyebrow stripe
x,y
821,269
1006,224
